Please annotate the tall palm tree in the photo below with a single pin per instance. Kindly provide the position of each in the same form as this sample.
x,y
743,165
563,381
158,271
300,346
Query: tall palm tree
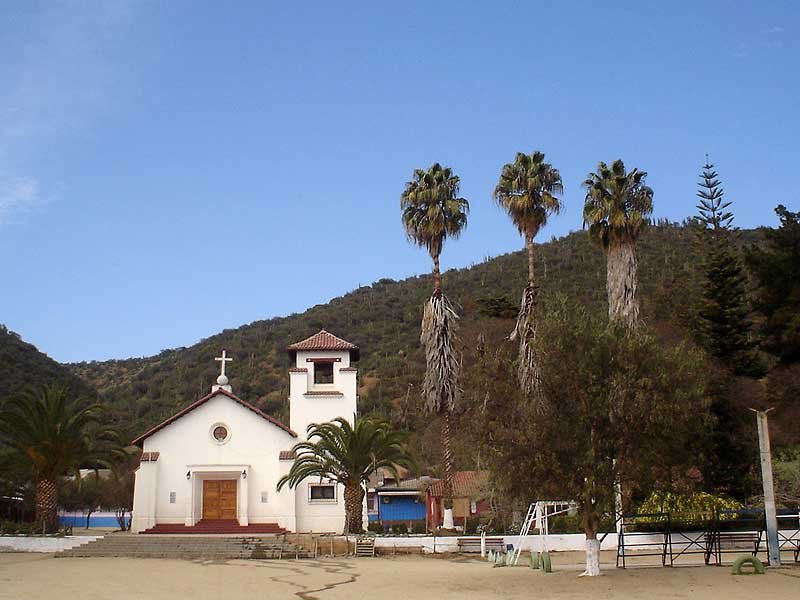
x,y
52,434
348,455
618,204
528,191
433,211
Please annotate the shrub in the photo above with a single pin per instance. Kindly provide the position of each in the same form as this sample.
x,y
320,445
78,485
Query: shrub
x,y
7,527
565,524
418,527
375,527
685,510
400,529
574,524
471,525
15,528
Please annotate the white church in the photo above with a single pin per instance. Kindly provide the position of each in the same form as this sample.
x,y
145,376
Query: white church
x,y
213,467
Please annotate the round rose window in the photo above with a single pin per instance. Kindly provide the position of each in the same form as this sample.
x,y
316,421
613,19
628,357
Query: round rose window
x,y
220,433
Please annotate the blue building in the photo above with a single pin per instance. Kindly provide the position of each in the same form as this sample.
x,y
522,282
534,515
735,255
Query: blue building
x,y
402,502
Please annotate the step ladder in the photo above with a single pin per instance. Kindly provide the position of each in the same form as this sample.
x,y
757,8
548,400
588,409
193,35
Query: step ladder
x,y
530,519
537,518
365,546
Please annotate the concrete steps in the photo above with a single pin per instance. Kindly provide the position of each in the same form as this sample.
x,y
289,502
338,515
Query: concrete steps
x,y
188,547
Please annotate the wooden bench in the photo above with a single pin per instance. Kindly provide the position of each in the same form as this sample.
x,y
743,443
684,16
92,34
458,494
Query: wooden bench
x,y
731,541
473,544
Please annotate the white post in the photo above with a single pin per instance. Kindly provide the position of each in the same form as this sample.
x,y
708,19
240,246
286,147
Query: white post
x,y
769,492
483,544
244,499
189,520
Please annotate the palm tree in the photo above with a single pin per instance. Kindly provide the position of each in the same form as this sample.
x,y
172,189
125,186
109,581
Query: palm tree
x,y
527,191
432,212
618,204
348,455
53,434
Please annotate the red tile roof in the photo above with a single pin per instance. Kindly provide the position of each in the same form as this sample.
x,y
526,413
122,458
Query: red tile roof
x,y
322,393
348,369
138,441
466,484
149,457
286,455
298,370
325,341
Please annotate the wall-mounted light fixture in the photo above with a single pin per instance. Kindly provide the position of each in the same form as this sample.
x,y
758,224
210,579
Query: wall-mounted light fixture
x,y
244,473
188,474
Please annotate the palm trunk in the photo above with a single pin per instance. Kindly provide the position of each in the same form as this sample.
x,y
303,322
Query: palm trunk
x,y
447,461
621,284
353,504
528,372
437,275
440,387
531,259
46,506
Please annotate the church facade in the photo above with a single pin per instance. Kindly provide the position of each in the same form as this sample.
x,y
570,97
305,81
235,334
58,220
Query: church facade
x,y
214,466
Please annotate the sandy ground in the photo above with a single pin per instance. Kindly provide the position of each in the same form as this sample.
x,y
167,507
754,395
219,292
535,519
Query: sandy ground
x,y
42,577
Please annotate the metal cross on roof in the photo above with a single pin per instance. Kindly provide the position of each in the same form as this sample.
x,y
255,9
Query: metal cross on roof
x,y
222,360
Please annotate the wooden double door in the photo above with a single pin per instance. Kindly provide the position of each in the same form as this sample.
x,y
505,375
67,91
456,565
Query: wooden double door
x,y
219,499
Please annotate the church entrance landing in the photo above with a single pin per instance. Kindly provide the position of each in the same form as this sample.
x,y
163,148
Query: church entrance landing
x,y
219,499
214,527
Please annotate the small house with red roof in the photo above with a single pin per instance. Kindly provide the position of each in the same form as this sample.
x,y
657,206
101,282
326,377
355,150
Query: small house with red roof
x,y
470,497
213,466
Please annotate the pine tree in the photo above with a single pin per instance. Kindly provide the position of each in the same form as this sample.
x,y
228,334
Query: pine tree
x,y
776,268
723,314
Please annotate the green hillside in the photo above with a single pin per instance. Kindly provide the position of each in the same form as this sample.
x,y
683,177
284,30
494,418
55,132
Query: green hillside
x,y
22,365
384,320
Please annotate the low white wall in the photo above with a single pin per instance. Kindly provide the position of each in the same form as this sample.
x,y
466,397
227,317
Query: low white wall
x,y
43,544
556,543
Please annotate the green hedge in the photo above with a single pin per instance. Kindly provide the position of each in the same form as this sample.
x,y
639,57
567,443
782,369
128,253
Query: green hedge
x,y
686,511
15,528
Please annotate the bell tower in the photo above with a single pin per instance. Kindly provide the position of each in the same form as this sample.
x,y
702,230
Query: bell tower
x,y
322,381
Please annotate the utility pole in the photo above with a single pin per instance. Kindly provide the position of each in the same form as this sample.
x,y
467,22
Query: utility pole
x,y
773,547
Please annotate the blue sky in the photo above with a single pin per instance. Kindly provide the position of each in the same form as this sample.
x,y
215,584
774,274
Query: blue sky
x,y
170,169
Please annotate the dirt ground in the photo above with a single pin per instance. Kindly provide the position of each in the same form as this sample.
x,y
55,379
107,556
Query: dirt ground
x,y
42,577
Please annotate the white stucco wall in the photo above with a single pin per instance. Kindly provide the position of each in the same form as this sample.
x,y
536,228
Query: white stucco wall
x,y
306,409
187,446
43,544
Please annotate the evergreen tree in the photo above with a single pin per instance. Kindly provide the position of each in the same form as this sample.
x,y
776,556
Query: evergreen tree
x,y
723,323
777,272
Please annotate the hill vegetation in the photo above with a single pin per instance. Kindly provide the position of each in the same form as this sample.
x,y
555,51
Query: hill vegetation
x,y
23,365
383,319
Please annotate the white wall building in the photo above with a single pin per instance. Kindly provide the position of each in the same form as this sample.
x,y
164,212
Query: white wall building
x,y
214,466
